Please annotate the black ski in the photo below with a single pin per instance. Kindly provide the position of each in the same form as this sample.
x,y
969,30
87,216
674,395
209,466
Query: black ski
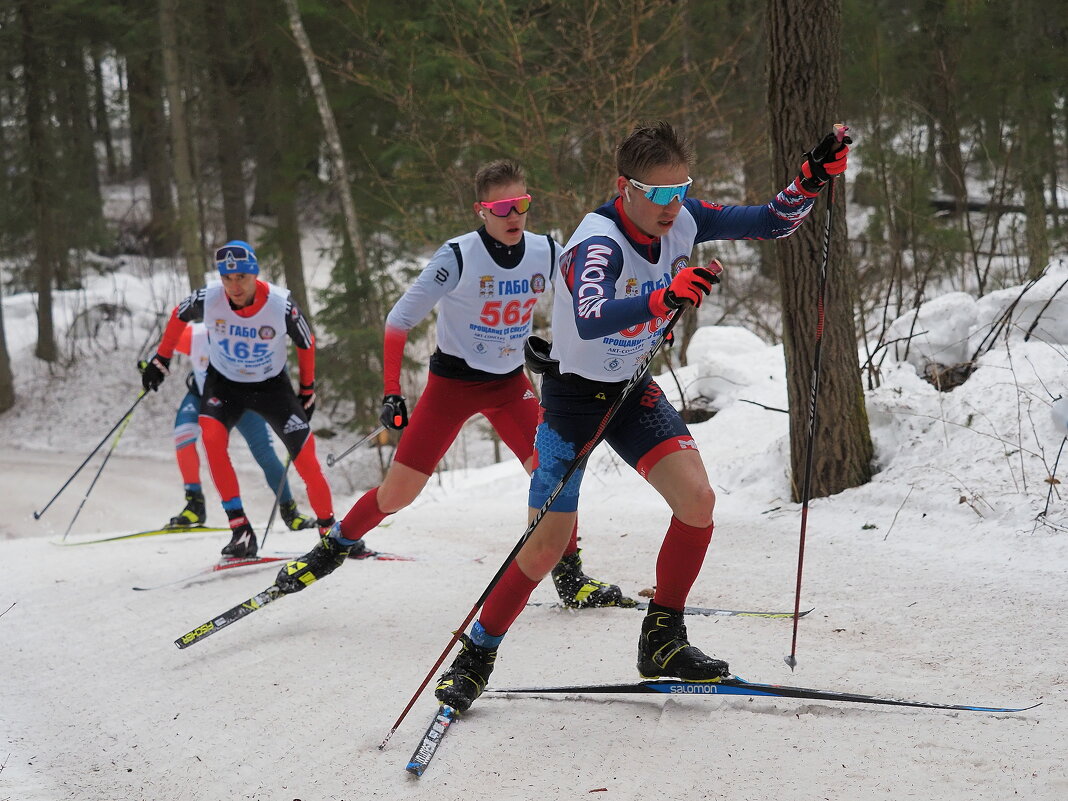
x,y
258,601
689,610
155,532
428,746
737,686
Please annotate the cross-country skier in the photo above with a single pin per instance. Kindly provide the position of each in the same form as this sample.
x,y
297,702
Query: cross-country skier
x,y
485,284
623,272
194,343
247,321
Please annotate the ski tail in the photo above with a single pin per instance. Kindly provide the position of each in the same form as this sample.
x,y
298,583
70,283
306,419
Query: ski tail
x,y
428,746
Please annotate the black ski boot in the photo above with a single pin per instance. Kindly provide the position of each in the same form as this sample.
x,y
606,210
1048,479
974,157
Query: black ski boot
x,y
194,513
664,650
466,678
295,520
322,560
579,591
242,538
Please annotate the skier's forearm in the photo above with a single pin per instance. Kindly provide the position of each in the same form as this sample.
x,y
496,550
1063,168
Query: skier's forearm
x,y
171,334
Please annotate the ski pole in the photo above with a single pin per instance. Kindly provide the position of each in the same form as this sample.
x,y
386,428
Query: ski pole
x,y
37,515
332,460
277,497
114,444
791,658
580,457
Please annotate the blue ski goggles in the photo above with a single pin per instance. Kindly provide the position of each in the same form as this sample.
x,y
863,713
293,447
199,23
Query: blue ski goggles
x,y
236,257
662,195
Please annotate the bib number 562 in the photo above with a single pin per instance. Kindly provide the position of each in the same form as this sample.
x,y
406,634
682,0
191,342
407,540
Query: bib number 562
x,y
514,312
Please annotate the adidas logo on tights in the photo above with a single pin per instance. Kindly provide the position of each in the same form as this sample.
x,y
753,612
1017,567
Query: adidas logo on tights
x,y
294,423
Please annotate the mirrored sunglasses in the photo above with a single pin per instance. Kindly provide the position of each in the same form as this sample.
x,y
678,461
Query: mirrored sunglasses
x,y
662,195
502,208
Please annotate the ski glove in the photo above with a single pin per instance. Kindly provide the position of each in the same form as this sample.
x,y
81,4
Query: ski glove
x,y
154,371
690,285
307,399
394,414
826,160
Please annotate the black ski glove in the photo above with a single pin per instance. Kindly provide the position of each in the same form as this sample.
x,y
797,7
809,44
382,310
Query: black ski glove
x,y
394,414
154,371
826,160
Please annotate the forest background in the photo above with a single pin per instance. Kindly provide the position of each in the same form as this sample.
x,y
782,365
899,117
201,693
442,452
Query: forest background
x,y
215,127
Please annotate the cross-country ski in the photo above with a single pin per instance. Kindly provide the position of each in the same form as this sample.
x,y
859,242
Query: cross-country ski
x,y
737,686
691,610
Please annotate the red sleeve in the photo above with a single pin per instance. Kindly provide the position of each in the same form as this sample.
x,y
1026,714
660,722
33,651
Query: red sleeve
x,y
185,341
171,335
306,364
392,357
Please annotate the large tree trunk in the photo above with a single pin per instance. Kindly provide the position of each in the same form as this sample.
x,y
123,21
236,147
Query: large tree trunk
x,y
7,380
226,120
803,85
43,180
148,148
188,225
83,202
101,122
288,233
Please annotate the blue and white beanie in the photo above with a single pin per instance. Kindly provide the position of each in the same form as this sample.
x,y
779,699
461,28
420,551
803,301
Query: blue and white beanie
x,y
236,257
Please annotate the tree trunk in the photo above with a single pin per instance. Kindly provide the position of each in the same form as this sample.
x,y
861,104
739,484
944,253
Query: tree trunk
x,y
84,203
288,232
101,122
188,227
333,137
803,85
43,181
148,148
226,120
7,380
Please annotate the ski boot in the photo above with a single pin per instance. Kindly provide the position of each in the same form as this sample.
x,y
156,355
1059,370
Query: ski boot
x,y
194,513
294,519
466,678
242,538
322,560
579,591
664,650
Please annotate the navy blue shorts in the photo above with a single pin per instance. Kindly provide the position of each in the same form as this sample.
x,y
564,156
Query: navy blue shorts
x,y
645,429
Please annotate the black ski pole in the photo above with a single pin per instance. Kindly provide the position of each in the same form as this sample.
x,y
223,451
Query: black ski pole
x,y
791,658
332,460
37,515
580,457
277,497
103,464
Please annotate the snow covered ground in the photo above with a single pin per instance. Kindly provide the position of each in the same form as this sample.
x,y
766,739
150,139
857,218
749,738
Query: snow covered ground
x,y
934,582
